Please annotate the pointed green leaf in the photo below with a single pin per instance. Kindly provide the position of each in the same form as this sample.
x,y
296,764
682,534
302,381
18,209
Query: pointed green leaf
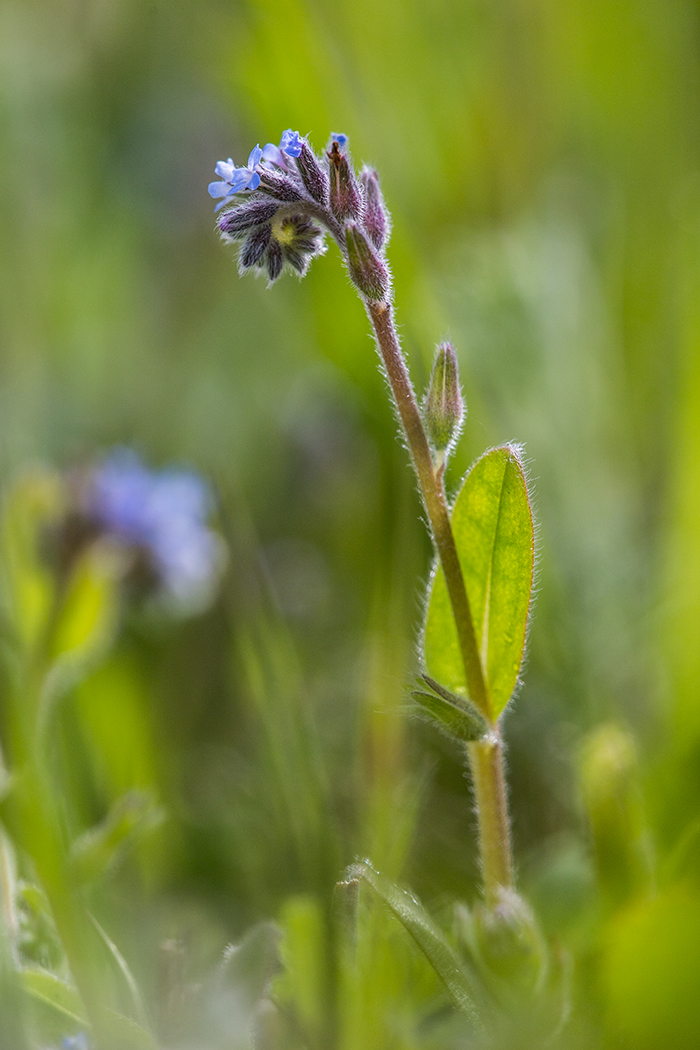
x,y
49,989
455,715
129,819
493,530
452,971
128,1035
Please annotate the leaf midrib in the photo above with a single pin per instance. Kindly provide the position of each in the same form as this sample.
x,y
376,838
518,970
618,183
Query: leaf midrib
x,y
487,598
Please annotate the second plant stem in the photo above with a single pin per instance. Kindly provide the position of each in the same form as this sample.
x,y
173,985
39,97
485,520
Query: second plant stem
x,y
486,755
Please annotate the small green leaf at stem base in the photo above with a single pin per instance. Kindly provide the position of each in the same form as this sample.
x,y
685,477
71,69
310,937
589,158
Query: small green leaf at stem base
x,y
494,535
454,715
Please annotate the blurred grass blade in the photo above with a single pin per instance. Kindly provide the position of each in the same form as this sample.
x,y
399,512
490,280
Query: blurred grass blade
x,y
451,970
346,901
125,970
455,715
55,993
130,818
249,967
494,533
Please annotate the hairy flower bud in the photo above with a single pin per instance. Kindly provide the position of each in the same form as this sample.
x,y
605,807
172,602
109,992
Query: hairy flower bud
x,y
367,271
346,200
239,220
255,246
275,260
279,186
312,174
375,218
443,408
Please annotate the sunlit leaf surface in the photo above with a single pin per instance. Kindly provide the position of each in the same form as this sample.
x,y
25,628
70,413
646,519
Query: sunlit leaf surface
x,y
493,530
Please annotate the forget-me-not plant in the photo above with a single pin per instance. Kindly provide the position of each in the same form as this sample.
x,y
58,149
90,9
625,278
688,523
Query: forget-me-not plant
x,y
478,600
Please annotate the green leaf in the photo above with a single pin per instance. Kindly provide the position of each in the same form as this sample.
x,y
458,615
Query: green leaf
x,y
132,816
50,990
494,534
452,971
130,1035
455,715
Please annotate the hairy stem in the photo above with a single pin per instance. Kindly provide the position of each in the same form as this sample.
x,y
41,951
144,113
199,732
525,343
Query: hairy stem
x,y
495,850
486,757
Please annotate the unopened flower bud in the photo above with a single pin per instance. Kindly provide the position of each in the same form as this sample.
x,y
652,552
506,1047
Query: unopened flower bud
x,y
255,246
505,939
239,220
367,271
312,174
609,780
279,186
346,200
275,260
443,408
375,218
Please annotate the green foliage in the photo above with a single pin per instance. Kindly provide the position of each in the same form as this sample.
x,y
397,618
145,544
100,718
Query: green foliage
x,y
55,993
454,714
492,525
452,971
541,165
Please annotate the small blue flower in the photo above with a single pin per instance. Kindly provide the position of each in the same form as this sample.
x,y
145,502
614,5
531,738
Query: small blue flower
x,y
340,138
236,179
163,514
290,144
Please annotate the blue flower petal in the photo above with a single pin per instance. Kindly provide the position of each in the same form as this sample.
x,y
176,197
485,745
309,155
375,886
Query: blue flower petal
x,y
254,158
219,189
254,181
225,168
273,155
340,138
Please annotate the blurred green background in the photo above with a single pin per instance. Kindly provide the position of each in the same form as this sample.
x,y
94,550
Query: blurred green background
x,y
542,164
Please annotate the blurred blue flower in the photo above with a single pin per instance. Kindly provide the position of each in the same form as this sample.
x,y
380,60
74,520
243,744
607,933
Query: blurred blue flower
x,y
340,138
163,515
78,1042
236,179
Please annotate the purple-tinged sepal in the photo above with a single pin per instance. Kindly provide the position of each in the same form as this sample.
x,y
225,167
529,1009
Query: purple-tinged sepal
x,y
443,408
345,196
300,240
254,246
312,174
281,187
237,221
288,238
375,217
368,271
275,260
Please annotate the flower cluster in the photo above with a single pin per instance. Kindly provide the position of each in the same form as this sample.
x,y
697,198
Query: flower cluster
x,y
156,519
293,198
160,518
